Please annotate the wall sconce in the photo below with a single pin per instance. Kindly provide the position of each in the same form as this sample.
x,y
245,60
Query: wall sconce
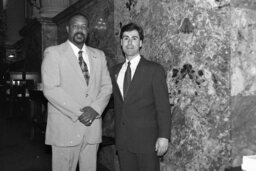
x,y
11,56
186,26
10,53
100,24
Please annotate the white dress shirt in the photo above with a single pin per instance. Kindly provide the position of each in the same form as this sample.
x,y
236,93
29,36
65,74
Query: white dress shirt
x,y
120,79
85,55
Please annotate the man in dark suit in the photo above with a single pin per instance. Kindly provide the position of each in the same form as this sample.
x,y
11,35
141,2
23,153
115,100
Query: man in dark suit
x,y
142,110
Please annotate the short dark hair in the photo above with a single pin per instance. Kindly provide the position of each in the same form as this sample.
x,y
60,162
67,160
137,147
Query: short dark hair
x,y
131,27
76,15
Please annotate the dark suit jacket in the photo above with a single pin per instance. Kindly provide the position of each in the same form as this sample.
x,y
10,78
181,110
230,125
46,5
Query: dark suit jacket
x,y
145,114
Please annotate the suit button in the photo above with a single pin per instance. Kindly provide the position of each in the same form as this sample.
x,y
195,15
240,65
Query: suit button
x,y
86,95
123,123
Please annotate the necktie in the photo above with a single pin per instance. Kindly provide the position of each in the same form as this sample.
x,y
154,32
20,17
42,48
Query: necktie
x,y
84,67
127,80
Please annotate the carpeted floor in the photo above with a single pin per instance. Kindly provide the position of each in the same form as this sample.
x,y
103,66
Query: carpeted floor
x,y
18,152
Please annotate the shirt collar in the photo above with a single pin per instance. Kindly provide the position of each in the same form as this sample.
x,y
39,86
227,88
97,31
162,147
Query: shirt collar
x,y
134,61
76,49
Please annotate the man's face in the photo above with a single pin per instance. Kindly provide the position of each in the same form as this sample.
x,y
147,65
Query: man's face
x,y
77,30
131,43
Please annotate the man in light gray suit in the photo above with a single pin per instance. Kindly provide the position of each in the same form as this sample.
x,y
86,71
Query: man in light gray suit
x,y
77,84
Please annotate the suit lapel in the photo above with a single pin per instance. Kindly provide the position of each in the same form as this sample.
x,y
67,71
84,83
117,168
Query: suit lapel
x,y
93,65
72,59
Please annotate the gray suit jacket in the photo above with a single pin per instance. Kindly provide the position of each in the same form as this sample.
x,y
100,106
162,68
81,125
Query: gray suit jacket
x,y
65,88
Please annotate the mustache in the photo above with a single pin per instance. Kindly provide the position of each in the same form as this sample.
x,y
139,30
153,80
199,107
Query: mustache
x,y
79,33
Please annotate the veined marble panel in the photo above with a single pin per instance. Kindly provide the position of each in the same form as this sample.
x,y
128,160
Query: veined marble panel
x,y
208,49
243,79
243,48
191,39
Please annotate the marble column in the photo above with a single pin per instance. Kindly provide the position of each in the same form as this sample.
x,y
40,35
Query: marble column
x,y
50,8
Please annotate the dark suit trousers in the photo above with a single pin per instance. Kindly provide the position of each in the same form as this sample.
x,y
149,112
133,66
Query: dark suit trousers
x,y
138,162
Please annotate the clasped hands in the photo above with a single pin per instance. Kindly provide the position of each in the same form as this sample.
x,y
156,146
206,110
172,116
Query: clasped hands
x,y
88,116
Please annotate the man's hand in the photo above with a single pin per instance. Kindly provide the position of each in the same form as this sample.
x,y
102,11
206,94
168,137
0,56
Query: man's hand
x,y
88,115
161,146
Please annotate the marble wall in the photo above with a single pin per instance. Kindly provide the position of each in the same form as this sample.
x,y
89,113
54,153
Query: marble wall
x,y
191,39
208,50
243,79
